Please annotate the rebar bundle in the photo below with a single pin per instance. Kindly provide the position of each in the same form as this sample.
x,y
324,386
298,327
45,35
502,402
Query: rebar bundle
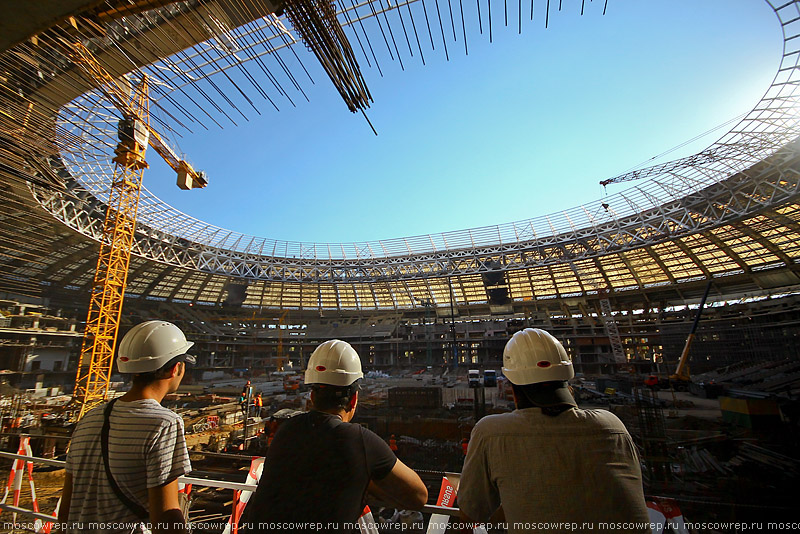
x,y
316,22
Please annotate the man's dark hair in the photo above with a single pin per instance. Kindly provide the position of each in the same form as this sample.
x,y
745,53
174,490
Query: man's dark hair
x,y
145,379
527,394
327,397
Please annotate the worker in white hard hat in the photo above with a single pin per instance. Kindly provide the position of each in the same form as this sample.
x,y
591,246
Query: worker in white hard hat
x,y
125,456
320,466
549,462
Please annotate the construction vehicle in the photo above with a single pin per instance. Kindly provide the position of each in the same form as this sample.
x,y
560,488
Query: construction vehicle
x,y
291,383
474,378
490,378
681,378
108,287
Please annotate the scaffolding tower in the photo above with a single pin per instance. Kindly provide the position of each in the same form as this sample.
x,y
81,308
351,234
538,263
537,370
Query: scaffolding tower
x,y
652,435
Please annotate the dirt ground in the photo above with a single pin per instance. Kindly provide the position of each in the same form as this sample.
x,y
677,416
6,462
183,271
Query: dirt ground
x,y
208,504
48,486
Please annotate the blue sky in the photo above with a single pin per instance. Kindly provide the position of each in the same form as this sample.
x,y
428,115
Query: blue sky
x,y
521,127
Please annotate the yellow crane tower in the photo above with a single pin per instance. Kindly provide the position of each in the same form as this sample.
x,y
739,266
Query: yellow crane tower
x,y
108,288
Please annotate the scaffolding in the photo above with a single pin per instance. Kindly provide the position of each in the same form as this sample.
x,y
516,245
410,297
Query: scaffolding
x,y
652,435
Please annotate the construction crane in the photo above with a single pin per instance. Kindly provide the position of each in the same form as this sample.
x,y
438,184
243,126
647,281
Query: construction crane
x,y
704,157
108,288
681,379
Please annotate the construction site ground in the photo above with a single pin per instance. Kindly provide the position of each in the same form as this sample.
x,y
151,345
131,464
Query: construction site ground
x,y
709,457
688,404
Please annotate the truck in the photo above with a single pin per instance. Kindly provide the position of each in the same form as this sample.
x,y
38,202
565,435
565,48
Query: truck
x,y
474,378
490,378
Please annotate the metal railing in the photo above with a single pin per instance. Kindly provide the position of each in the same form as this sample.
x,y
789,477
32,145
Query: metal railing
x,y
219,484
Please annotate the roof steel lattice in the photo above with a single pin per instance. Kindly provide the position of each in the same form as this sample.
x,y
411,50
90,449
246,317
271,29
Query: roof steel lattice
x,y
721,212
771,124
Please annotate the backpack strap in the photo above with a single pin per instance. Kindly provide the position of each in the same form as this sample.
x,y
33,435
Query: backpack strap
x,y
134,507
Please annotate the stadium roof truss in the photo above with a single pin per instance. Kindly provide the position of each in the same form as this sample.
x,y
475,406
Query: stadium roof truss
x,y
728,213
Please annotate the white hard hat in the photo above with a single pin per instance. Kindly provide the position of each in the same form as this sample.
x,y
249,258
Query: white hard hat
x,y
150,345
335,363
532,356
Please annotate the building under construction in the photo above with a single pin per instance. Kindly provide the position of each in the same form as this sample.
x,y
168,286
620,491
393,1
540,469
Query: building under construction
x,y
710,241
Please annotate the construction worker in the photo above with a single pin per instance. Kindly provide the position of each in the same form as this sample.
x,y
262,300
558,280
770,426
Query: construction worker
x,y
549,462
243,404
244,398
126,455
258,402
319,467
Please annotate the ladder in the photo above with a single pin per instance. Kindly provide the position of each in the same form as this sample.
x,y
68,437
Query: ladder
x,y
612,331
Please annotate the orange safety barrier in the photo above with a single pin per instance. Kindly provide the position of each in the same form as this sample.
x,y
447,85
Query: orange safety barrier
x,y
186,489
447,498
366,523
240,498
18,468
666,516
47,527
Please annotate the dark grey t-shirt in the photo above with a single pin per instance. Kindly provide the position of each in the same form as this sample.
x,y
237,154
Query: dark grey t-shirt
x,y
315,476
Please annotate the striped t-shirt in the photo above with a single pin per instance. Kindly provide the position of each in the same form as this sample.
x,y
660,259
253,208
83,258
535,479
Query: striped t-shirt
x,y
146,448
